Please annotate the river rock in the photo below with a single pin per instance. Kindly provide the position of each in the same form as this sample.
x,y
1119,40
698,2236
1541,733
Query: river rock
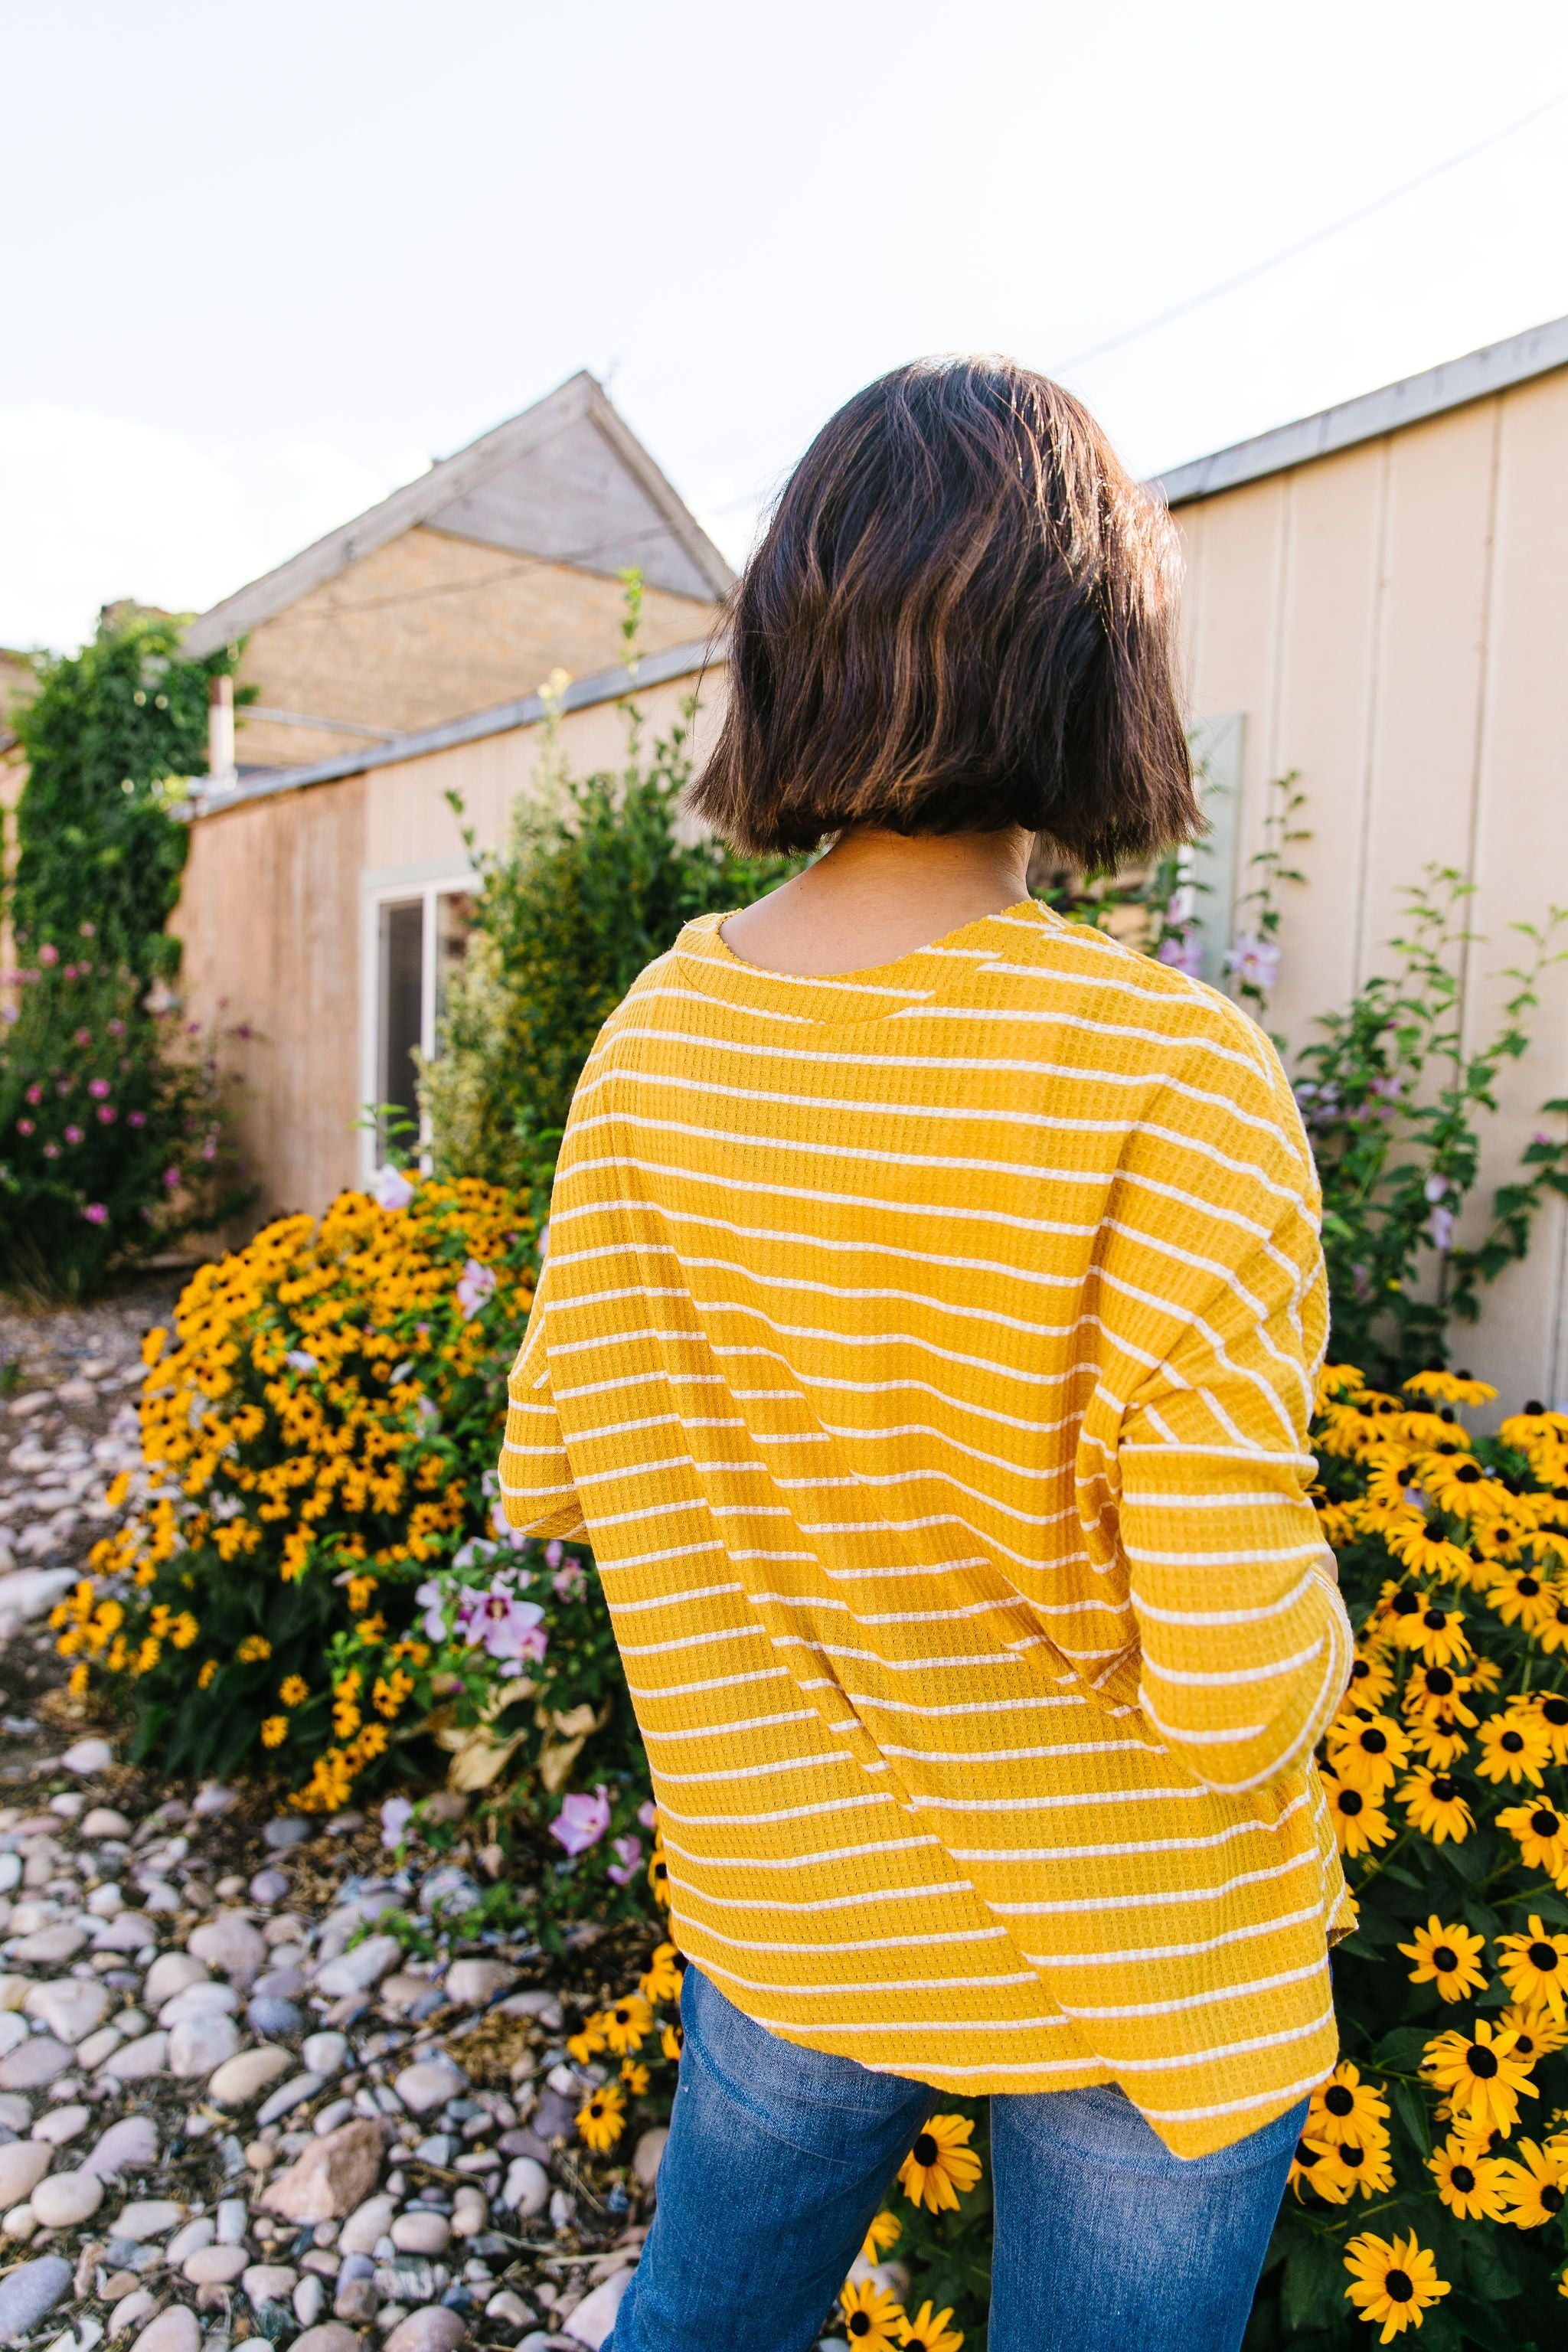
x,y
88,1755
29,2294
50,1947
367,2224
269,1886
433,2329
309,2299
199,2000
37,2062
590,2320
136,2060
59,2125
325,2053
426,2232
527,2188
128,1932
357,1970
646,2154
269,2281
430,2083
23,2165
215,2265
329,2337
231,1945
103,1822
198,2044
170,1973
128,2146
147,2217
267,2013
67,2198
130,2308
330,2176
69,2006
470,1982
175,2330
239,2080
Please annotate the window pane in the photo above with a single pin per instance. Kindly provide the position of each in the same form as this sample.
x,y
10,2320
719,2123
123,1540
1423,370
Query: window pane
x,y
454,921
401,976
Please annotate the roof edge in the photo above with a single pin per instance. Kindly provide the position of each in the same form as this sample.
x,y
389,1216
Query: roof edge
x,y
1450,384
600,686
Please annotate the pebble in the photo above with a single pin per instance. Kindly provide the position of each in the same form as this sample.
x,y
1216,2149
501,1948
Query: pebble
x,y
269,1886
421,2233
430,2083
146,2055
357,1970
175,2330
470,1982
508,2309
198,2044
67,2198
131,2309
88,1755
325,2053
268,2013
327,2119
229,1943
239,2080
329,2337
367,2224
39,2061
433,2329
190,2240
129,2145
646,2154
527,2190
288,2097
268,2281
214,1800
13,2030
129,1932
30,2292
22,2166
329,2177
170,1973
278,1984
215,2265
590,2320
97,2047
199,2000
231,2220
103,1822
309,2299
61,2124
147,2216
69,2006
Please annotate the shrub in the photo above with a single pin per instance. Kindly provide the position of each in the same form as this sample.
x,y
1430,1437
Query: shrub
x,y
114,1134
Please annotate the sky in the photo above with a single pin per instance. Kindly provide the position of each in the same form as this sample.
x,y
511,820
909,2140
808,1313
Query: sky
x,y
263,265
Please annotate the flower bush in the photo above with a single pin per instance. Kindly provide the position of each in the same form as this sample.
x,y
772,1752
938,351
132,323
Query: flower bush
x,y
114,1130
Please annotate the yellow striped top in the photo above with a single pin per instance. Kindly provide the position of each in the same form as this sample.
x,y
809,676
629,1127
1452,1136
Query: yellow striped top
x,y
927,1354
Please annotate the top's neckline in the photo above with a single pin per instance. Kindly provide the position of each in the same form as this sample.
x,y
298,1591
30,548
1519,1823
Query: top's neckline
x,y
873,993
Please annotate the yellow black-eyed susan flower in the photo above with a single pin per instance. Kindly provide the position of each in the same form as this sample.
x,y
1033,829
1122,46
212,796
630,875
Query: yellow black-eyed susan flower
x,y
1514,1748
672,2040
293,1690
1372,1679
1368,1752
1360,1822
1469,2183
1448,1388
1447,1956
1316,2158
1435,1806
1535,1965
1540,2034
1550,1711
1393,2281
636,2077
589,2038
274,1730
627,2025
1541,1833
1482,2072
928,2331
941,2165
1440,1739
1534,2183
663,1976
1346,2107
1364,2168
1522,1596
1434,1691
886,2229
253,1649
872,2318
602,2118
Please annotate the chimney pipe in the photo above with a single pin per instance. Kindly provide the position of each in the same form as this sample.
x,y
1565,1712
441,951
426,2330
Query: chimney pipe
x,y
220,730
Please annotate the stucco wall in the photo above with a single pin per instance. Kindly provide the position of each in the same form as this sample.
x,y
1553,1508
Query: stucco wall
x,y
1393,622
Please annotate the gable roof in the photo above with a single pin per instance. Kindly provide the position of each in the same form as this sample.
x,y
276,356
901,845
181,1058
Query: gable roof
x,y
1451,384
567,480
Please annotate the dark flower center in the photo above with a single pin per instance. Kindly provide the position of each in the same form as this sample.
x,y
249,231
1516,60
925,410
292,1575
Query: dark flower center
x,y
1435,1620
1352,2158
1552,2200
1543,1956
1444,1790
1396,2286
1468,1473
1512,1740
1462,2179
1373,1743
1532,1406
1349,1801
1524,2046
1338,2100
622,2016
1483,2062
1445,1959
1406,1604
1529,1586
1561,1613
1544,1821
1360,1671
859,2324
1306,2157
1555,1710
1439,1681
925,2149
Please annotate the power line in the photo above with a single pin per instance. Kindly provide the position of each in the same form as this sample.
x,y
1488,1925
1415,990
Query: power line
x,y
1305,244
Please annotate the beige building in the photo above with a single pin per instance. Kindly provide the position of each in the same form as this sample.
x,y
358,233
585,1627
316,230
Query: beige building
x,y
1375,599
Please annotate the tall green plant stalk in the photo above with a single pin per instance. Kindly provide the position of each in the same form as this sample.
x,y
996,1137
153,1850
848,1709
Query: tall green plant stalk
x,y
1390,1095
1254,958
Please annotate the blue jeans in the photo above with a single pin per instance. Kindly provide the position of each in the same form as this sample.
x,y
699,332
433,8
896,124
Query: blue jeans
x,y
779,2157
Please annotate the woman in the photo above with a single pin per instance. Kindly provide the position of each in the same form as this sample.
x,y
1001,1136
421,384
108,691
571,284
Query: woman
x,y
926,1347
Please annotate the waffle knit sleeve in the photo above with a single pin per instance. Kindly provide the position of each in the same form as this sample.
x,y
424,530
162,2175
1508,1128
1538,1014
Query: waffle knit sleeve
x,y
1246,1647
538,1492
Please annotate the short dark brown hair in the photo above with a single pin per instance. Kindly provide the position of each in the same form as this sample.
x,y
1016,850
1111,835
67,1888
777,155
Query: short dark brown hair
x,y
960,617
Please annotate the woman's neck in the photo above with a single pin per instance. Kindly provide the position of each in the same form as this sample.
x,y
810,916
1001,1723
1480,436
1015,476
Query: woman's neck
x,y
876,897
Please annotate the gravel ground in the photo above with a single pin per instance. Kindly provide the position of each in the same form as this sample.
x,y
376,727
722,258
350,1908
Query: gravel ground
x,y
231,2106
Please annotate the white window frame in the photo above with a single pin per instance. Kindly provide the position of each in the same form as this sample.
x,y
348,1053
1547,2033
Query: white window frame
x,y
427,880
